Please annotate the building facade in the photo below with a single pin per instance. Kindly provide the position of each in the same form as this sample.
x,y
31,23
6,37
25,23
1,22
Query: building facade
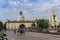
x,y
20,20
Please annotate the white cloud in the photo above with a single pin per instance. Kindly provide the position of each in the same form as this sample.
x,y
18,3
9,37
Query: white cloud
x,y
25,11
7,13
14,4
45,5
25,1
29,4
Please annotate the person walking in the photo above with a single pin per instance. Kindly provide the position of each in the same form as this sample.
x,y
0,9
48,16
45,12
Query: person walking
x,y
14,30
21,31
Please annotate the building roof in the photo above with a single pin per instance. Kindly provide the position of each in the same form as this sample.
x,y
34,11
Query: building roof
x,y
21,21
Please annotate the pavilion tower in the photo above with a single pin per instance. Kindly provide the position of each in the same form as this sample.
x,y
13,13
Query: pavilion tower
x,y
21,17
53,21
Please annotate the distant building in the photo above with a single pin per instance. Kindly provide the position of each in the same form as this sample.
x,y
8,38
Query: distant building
x,y
17,23
53,22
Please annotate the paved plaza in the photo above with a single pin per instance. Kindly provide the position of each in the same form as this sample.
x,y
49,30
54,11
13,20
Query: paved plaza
x,y
31,36
12,36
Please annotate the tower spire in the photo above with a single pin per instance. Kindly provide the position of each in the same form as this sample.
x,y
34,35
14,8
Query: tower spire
x,y
20,12
52,12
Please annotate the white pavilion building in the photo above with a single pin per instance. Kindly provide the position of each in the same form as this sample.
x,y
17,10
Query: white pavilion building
x,y
20,20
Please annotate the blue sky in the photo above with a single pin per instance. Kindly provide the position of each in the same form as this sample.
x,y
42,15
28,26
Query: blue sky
x,y
32,9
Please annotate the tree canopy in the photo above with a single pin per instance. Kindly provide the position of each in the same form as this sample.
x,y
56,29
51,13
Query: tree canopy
x,y
42,24
1,25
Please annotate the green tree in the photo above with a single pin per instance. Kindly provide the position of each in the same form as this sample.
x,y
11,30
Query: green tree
x,y
4,25
58,28
1,25
42,24
59,25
